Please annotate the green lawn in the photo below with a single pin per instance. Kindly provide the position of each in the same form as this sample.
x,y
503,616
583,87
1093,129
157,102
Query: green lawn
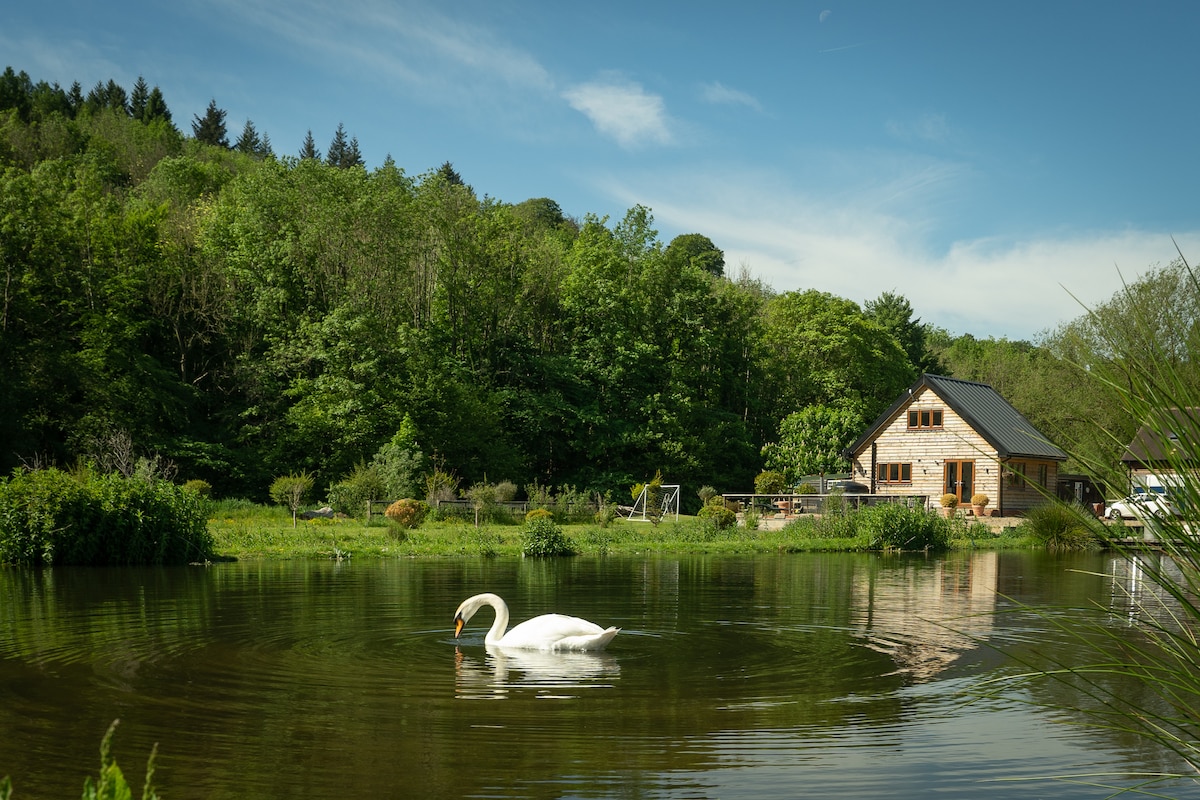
x,y
243,530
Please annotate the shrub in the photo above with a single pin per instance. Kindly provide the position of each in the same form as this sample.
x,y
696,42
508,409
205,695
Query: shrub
x,y
750,519
980,499
51,517
544,538
200,487
949,500
895,526
806,488
1060,526
706,494
721,516
407,513
538,513
351,494
769,482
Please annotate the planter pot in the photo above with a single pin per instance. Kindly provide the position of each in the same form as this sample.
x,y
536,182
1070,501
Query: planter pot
x,y
979,511
947,511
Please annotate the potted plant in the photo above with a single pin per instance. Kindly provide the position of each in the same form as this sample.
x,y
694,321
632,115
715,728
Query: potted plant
x,y
949,503
979,503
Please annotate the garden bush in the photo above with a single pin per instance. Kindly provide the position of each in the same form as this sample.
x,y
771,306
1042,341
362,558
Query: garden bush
x,y
719,515
895,526
407,513
542,537
51,517
1062,526
351,494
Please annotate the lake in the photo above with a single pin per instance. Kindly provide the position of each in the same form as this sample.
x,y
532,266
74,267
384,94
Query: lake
x,y
807,675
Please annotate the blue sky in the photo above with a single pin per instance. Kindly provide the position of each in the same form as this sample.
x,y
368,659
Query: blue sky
x,y
997,163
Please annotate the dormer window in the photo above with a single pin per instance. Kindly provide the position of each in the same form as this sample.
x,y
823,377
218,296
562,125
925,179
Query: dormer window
x,y
922,418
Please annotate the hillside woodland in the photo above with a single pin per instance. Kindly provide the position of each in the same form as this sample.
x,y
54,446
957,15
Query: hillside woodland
x,y
239,315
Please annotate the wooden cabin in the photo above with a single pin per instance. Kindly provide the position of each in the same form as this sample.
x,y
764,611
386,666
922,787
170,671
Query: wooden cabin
x,y
945,435
1164,448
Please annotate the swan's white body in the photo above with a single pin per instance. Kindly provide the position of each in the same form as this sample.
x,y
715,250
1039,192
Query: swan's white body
x,y
547,632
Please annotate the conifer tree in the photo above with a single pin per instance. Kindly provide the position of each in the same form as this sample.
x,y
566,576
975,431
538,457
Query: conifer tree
x,y
264,146
211,128
249,142
137,100
116,98
450,175
309,148
156,107
337,148
75,98
353,156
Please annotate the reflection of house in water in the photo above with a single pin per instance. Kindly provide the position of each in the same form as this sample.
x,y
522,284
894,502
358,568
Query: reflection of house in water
x,y
928,614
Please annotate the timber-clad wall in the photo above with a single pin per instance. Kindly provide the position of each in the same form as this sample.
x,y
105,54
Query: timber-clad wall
x,y
929,449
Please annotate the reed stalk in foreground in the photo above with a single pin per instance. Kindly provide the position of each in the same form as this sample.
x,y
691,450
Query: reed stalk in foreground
x,y
1159,386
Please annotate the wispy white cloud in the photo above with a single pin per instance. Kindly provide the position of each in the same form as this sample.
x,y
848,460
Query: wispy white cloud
x,y
623,110
413,44
719,94
929,127
858,247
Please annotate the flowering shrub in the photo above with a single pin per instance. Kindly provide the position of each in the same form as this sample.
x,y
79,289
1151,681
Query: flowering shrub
x,y
407,513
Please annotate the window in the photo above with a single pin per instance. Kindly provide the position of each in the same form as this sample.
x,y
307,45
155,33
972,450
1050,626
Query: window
x,y
1016,474
1043,474
893,473
919,418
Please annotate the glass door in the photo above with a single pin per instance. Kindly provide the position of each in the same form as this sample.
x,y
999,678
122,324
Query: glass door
x,y
960,480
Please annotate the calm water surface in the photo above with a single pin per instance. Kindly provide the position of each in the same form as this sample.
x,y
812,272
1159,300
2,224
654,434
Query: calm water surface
x,y
757,677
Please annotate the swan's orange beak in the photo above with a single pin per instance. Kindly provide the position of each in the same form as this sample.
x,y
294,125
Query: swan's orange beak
x,y
459,622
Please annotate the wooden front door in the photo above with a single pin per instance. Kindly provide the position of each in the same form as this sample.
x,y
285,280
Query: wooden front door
x,y
960,480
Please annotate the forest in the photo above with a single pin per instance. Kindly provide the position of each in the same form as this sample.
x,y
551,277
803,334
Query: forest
x,y
241,315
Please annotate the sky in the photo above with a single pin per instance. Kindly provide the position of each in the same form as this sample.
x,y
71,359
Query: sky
x,y
1002,165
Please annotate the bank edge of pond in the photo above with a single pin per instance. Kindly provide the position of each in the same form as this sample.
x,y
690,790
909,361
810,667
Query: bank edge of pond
x,y
267,533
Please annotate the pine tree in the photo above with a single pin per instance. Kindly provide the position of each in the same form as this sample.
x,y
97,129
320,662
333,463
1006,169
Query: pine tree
x,y
309,148
353,156
75,98
450,175
264,146
95,98
249,142
137,100
116,98
211,129
337,148
156,107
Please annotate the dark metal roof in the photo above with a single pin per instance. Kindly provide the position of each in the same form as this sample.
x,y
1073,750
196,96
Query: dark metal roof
x,y
982,407
1173,435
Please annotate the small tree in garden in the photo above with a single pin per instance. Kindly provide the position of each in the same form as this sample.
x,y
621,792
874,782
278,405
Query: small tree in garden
x,y
290,490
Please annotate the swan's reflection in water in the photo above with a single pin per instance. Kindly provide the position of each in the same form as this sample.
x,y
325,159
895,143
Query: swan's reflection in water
x,y
552,675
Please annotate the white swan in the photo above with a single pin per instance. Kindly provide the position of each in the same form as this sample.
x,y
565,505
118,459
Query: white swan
x,y
547,632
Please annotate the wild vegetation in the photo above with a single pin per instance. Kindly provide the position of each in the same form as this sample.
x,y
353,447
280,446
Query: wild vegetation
x,y
248,315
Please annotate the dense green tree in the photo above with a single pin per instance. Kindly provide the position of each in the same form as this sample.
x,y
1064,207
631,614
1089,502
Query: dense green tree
x,y
822,350
811,442
210,129
697,250
353,156
894,313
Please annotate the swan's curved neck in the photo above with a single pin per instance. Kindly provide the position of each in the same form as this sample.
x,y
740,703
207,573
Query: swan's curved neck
x,y
500,624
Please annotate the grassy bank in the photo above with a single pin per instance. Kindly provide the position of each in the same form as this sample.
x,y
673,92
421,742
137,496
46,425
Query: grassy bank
x,y
243,530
